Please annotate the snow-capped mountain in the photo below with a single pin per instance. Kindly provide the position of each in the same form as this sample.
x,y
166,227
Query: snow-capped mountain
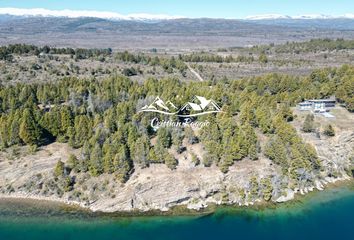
x,y
267,16
41,12
298,17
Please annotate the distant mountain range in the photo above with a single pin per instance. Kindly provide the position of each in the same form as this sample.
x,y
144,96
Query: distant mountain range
x,y
91,29
299,17
41,12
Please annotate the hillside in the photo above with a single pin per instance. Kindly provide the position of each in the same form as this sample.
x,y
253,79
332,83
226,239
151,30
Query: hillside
x,y
166,34
81,138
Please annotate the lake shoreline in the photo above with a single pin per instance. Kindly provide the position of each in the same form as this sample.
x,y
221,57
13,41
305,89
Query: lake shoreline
x,y
178,210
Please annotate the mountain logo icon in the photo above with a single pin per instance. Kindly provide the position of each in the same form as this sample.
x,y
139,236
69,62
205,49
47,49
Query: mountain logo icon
x,y
198,106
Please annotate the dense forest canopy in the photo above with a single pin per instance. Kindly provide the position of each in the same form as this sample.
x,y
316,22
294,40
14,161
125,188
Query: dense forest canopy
x,y
314,45
101,118
20,49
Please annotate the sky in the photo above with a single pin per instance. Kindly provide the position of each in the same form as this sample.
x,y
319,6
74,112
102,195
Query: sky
x,y
195,8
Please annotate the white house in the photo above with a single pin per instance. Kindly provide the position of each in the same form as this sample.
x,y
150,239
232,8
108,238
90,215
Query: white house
x,y
317,105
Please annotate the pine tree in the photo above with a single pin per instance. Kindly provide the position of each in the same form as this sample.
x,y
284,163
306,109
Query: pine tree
x,y
263,58
85,157
14,131
251,142
189,134
110,120
122,164
152,156
267,188
209,159
254,187
227,156
164,137
83,130
71,136
59,169
108,149
140,154
285,131
96,163
67,183
298,161
328,130
225,162
276,151
177,140
3,132
72,162
170,161
30,132
247,114
66,121
264,120
308,125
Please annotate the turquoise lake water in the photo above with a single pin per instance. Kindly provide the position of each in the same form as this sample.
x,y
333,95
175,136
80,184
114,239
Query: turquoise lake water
x,y
323,215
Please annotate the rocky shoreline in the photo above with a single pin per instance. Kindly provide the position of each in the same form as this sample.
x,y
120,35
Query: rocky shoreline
x,y
185,208
158,188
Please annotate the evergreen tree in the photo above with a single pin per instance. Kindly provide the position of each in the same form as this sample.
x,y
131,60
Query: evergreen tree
x,y
85,157
177,140
14,130
83,130
251,142
30,132
59,169
264,120
267,188
72,162
247,114
96,161
328,130
308,125
209,158
122,164
189,134
140,155
66,121
263,58
109,150
170,161
253,187
164,137
3,132
276,151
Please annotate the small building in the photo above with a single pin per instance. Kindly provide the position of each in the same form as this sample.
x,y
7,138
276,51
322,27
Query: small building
x,y
306,105
317,105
